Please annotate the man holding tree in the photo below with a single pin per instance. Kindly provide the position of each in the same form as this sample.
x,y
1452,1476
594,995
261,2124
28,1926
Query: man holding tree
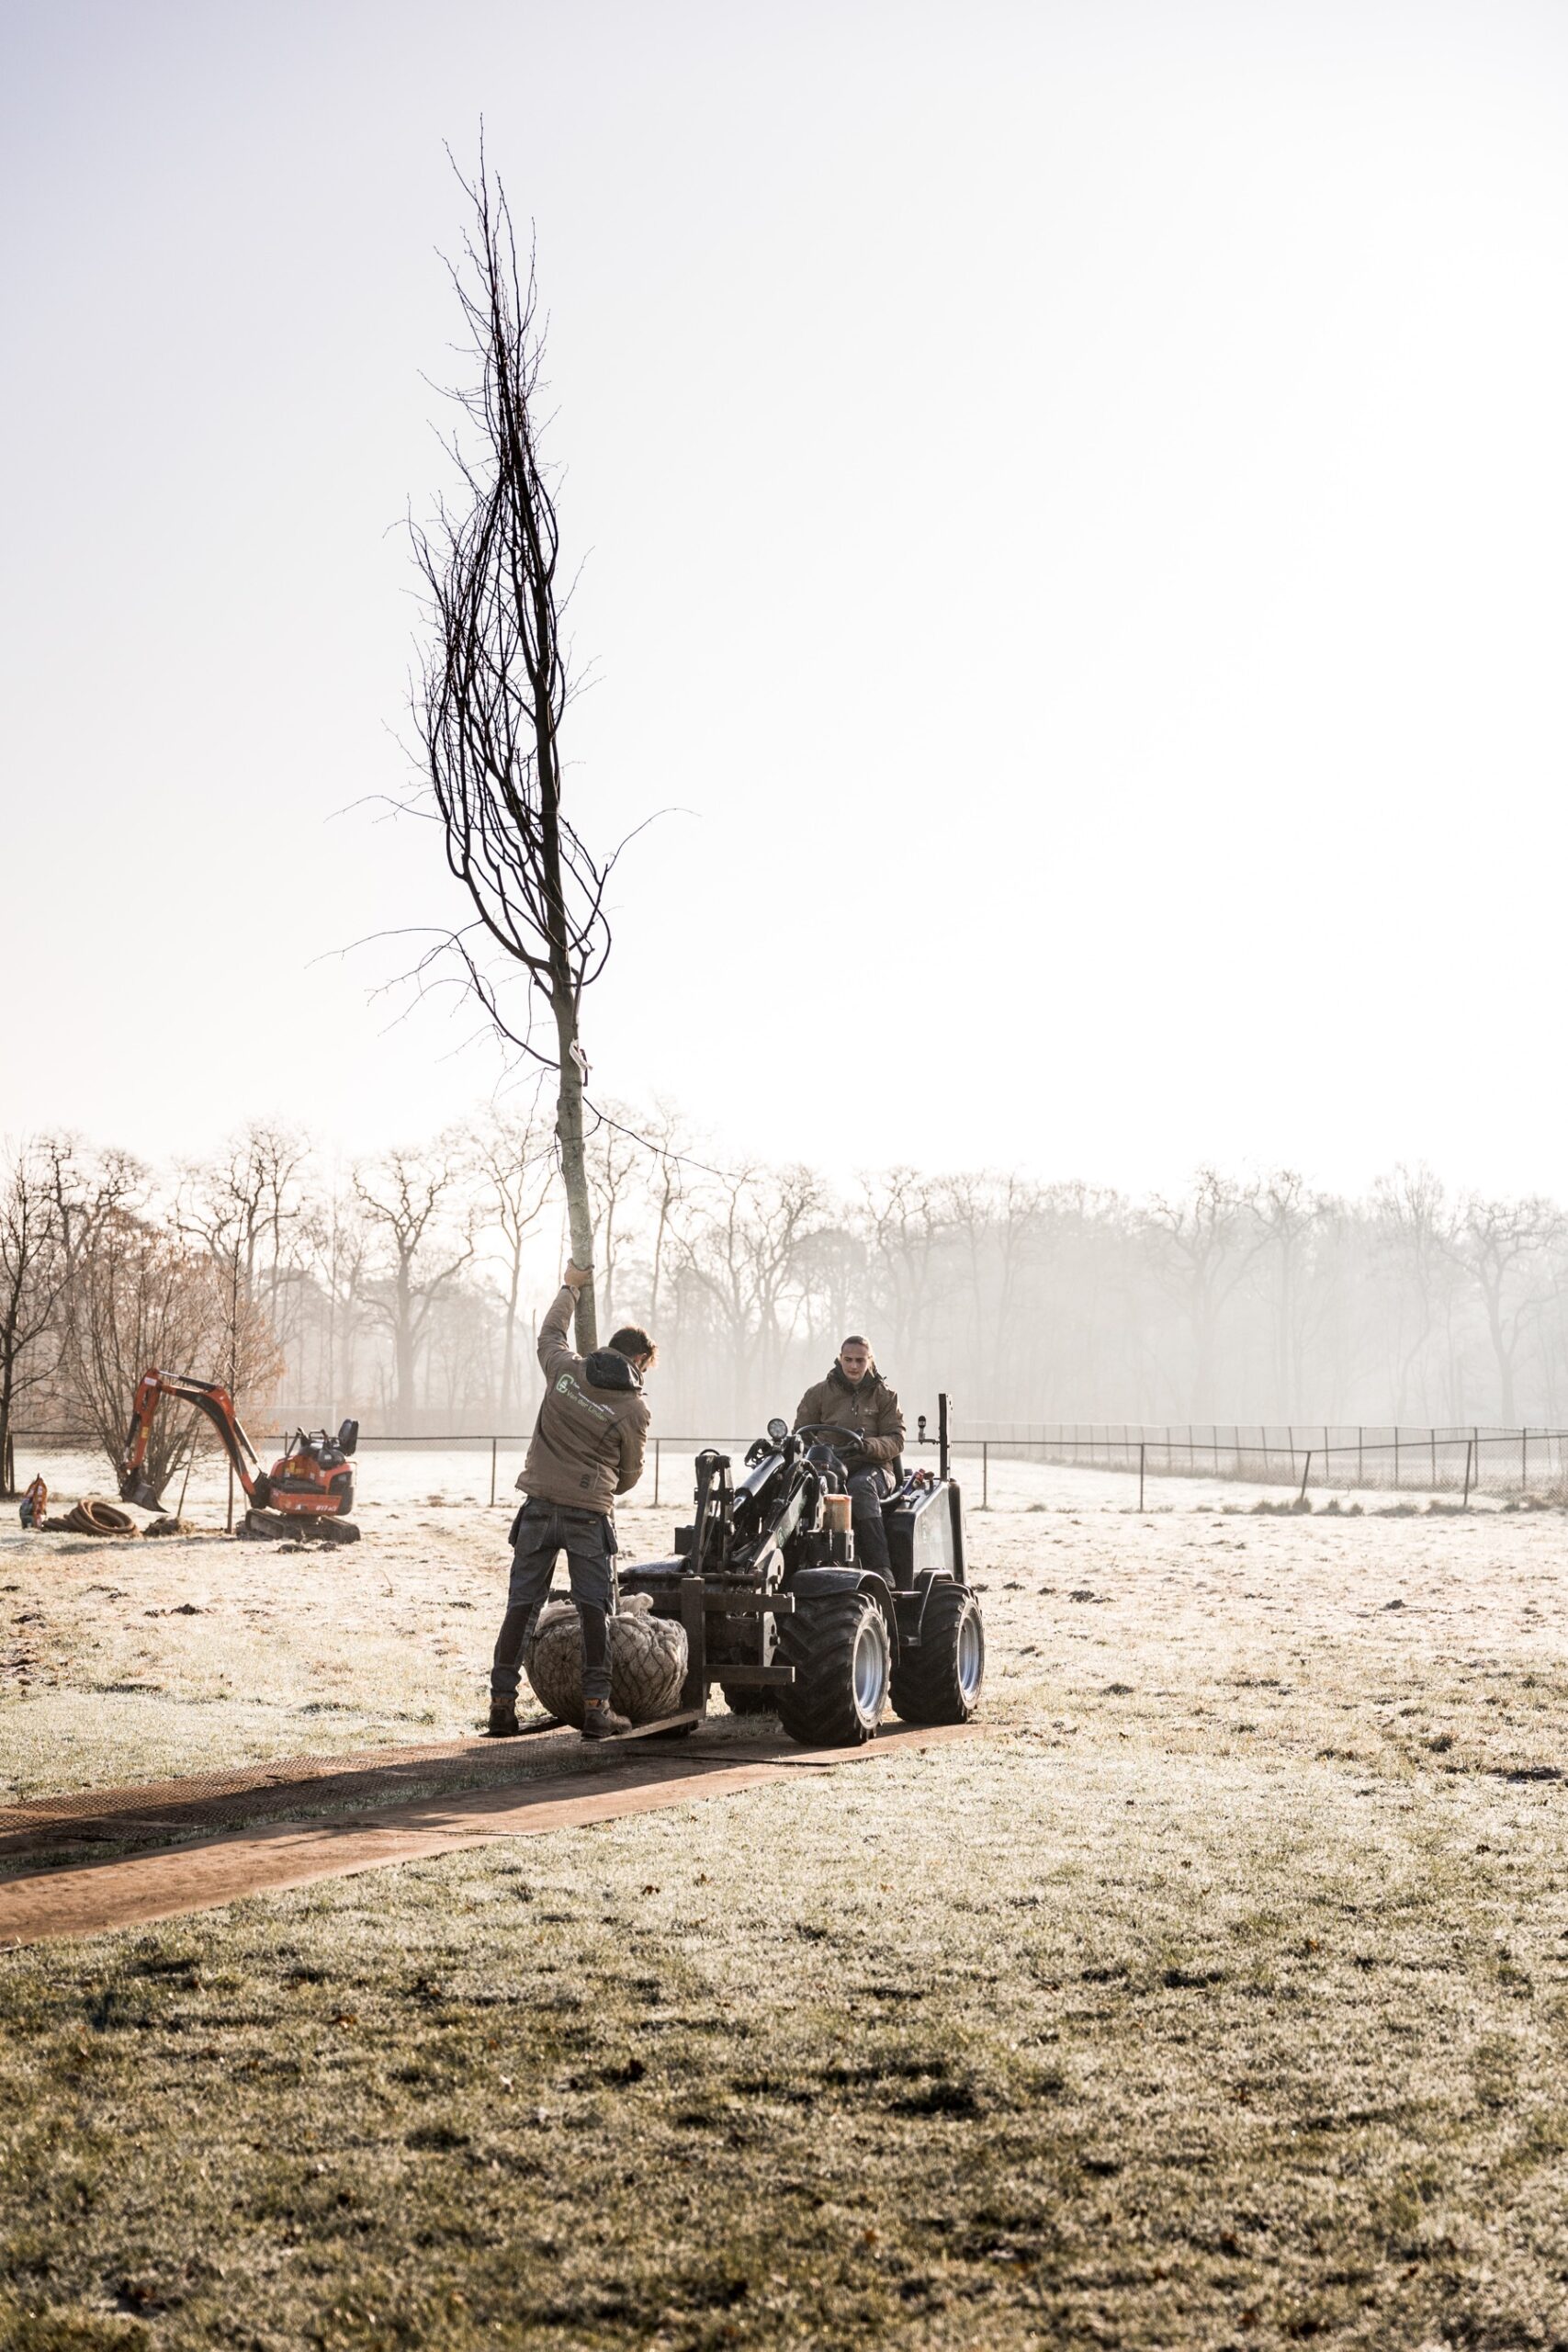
x,y
587,1448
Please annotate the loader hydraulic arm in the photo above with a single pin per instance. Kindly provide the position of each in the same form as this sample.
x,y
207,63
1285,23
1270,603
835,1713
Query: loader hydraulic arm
x,y
210,1399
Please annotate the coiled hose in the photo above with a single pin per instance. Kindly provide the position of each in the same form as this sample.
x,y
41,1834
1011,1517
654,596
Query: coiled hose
x,y
98,1519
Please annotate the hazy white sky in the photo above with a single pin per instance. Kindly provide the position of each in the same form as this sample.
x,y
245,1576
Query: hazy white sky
x,y
1074,501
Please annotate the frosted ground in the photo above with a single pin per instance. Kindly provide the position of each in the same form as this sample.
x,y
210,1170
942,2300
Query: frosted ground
x,y
1219,1997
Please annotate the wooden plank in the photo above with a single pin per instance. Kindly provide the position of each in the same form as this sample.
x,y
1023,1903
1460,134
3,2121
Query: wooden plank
x,y
653,1730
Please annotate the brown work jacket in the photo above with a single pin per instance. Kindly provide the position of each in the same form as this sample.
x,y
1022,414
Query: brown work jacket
x,y
592,1432
869,1404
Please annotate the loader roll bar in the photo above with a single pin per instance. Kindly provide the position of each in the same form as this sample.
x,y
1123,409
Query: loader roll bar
x,y
941,1434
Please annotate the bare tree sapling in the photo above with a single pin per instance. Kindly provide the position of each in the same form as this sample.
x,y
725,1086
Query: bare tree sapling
x,y
493,694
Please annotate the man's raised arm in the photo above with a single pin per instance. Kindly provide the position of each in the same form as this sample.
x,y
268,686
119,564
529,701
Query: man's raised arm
x,y
555,1351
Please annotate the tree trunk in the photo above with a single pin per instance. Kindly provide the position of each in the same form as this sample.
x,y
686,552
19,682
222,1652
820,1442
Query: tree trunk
x,y
8,1449
509,1349
403,1352
574,1170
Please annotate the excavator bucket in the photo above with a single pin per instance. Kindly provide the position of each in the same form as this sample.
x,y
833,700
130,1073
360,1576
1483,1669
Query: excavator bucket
x,y
138,1488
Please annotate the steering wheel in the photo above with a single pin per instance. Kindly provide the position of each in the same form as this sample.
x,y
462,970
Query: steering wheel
x,y
842,1439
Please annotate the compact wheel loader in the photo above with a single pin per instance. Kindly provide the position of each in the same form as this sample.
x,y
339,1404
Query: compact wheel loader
x,y
779,1615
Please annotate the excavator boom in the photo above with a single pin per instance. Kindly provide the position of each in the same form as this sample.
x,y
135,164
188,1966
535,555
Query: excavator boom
x,y
210,1398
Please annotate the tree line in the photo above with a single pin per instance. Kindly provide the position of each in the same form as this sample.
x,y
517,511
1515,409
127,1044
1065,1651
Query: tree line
x,y
405,1288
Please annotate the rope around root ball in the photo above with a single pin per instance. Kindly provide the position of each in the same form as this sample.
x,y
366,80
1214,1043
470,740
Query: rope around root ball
x,y
647,1664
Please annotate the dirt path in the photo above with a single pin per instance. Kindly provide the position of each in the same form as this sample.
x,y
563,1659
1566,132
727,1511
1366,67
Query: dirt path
x,y
93,1897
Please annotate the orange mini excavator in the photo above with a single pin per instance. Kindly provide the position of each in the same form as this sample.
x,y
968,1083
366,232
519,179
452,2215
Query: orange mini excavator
x,y
307,1492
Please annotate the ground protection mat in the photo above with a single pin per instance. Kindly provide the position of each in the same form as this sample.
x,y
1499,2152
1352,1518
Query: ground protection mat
x,y
153,1811
134,1891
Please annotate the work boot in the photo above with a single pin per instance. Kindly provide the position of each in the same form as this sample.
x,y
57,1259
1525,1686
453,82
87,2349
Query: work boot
x,y
503,1723
599,1720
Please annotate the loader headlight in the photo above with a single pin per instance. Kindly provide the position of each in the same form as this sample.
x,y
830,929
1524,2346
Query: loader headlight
x,y
777,1433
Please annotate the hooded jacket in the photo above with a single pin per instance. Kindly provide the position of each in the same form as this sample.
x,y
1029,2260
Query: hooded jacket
x,y
868,1403
590,1437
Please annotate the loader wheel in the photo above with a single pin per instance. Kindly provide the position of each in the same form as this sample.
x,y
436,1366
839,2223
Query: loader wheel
x,y
843,1662
754,1699
940,1681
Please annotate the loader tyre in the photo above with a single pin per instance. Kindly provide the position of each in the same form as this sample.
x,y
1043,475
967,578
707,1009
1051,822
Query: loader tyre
x,y
757,1700
941,1682
842,1660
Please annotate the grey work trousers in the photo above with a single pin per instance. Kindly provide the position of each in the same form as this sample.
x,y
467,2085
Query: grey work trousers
x,y
868,1486
540,1531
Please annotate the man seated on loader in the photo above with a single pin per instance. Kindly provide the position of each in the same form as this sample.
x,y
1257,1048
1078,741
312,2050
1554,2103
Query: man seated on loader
x,y
855,1398
587,1448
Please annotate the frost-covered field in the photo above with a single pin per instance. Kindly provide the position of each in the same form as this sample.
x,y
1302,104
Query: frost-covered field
x,y
1220,1997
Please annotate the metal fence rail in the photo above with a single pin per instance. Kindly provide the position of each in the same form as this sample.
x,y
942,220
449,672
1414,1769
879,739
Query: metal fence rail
x,y
1434,1459
1431,1460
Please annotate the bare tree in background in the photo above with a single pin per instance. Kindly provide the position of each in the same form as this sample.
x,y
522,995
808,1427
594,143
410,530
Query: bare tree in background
x,y
615,1157
32,1281
336,1253
493,694
407,1197
237,1208
1208,1240
743,1255
666,1133
1502,1245
142,1297
1415,1228
89,1191
903,1224
516,1167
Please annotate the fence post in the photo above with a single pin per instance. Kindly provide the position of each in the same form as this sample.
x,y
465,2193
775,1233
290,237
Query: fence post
x,y
1469,1446
1433,1435
493,1443
656,1474
1396,1457
1524,1462
1305,1469
1140,1473
985,1474
1360,1480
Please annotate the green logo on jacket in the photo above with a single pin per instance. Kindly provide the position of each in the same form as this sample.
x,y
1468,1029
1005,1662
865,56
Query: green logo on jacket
x,y
567,1387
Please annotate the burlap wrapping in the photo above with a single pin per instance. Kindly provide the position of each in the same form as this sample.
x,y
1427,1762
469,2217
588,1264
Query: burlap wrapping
x,y
648,1662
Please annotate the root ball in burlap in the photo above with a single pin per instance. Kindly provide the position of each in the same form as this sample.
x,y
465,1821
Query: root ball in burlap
x,y
648,1663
